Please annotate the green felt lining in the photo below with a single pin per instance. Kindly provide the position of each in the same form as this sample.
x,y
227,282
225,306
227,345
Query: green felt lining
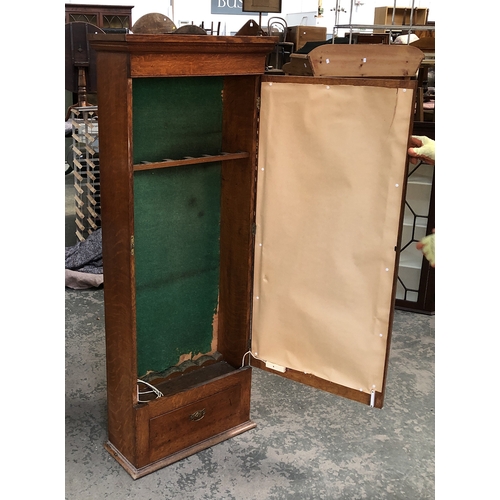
x,y
176,218
176,117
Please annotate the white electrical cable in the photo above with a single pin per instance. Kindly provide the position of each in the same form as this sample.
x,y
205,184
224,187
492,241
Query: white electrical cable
x,y
154,390
253,356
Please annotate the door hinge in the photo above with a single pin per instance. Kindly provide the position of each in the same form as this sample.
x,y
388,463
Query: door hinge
x,y
132,245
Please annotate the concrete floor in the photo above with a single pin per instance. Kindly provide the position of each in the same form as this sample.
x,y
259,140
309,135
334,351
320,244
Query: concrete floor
x,y
308,444
69,214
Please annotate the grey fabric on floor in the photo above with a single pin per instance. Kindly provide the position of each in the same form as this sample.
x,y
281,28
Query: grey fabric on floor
x,y
83,263
85,256
308,444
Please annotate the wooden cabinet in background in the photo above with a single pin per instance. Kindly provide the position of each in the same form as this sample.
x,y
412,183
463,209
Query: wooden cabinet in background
x,y
106,17
402,15
299,35
416,278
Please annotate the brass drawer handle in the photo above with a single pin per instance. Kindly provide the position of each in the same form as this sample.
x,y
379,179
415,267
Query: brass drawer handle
x,y
197,415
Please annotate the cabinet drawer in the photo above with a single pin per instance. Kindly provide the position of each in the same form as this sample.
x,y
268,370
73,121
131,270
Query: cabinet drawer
x,y
195,422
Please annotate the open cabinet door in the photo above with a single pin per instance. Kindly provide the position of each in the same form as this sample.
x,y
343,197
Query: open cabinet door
x,y
330,191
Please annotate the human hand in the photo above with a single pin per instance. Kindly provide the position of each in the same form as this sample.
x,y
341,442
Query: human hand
x,y
422,148
427,245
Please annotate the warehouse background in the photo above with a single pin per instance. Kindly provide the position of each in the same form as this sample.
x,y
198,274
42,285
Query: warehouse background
x,y
295,12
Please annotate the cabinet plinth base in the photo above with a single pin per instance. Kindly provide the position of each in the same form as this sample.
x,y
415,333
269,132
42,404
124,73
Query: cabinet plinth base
x,y
191,419
136,473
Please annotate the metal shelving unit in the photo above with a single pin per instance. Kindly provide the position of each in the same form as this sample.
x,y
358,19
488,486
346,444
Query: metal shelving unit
x,y
387,27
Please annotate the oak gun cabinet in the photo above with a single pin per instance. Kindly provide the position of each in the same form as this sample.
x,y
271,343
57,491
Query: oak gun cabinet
x,y
239,222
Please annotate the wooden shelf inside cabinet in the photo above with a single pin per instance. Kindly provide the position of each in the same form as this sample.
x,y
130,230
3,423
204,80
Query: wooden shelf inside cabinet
x,y
148,165
205,210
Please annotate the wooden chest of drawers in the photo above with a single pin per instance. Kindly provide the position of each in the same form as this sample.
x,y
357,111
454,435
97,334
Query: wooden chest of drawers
x,y
299,35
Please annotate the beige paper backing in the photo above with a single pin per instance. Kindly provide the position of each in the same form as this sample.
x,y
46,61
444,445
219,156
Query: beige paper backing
x,y
331,172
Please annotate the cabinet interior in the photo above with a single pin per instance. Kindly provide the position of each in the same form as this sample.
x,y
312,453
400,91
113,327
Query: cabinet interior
x,y
177,135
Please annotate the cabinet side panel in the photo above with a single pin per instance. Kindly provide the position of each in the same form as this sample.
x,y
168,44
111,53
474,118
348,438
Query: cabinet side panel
x,y
117,213
237,216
